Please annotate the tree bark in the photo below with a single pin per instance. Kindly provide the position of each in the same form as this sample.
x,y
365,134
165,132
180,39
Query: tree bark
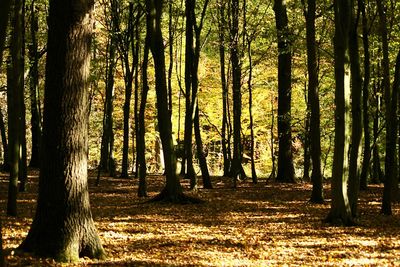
x,y
5,6
340,212
34,93
63,227
313,100
6,165
356,112
172,191
285,157
236,167
365,94
390,115
221,35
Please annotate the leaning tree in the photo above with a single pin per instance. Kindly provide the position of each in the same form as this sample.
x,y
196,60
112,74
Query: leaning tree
x,y
63,227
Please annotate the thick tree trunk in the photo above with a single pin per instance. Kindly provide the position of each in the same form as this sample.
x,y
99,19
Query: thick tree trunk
x,y
313,100
365,93
340,212
356,112
63,227
285,157
34,93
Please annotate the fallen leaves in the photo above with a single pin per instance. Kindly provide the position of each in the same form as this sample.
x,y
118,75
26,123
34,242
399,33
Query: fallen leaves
x,y
255,225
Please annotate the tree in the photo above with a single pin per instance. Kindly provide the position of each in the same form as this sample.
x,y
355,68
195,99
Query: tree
x,y
340,211
5,6
172,191
63,227
390,114
356,112
313,99
285,157
365,100
236,167
15,84
33,87
6,165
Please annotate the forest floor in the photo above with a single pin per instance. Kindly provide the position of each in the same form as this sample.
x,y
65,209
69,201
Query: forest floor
x,y
253,225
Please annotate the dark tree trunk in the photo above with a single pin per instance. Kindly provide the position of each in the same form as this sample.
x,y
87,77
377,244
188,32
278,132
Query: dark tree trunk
x,y
365,93
221,33
313,100
356,113
63,227
141,143
5,6
34,93
15,85
205,175
189,94
250,87
340,212
172,191
285,157
307,139
390,115
6,166
107,162
236,168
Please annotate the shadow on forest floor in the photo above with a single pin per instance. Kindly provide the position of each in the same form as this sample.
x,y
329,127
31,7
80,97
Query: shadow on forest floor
x,y
253,225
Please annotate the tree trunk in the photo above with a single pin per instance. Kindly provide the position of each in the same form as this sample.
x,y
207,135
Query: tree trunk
x,y
390,115
6,165
356,112
5,6
172,191
34,93
141,142
107,162
221,34
15,85
365,93
340,212
313,100
285,157
189,94
63,227
236,168
376,160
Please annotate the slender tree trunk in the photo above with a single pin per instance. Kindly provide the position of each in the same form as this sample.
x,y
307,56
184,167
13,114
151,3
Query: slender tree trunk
x,y
205,175
390,113
34,93
376,160
272,176
189,94
365,93
107,162
63,227
236,168
171,56
15,85
5,6
221,34
340,211
356,112
172,191
6,166
141,142
285,157
313,100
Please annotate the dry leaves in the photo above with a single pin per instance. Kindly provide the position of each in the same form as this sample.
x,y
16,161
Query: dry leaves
x,y
255,225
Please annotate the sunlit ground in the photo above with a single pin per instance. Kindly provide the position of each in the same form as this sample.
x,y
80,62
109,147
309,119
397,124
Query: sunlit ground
x,y
254,225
